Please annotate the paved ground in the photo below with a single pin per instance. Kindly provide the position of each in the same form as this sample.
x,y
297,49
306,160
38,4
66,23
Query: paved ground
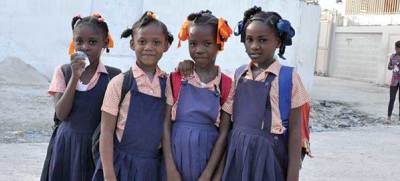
x,y
21,161
368,154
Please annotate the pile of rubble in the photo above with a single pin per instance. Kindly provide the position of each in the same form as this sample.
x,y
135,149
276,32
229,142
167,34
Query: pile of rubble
x,y
328,115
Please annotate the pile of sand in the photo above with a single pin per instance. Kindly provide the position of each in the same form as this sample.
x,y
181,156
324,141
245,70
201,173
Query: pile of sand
x,y
15,71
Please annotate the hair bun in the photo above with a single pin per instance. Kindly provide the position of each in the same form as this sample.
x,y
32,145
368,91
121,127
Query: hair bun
x,y
75,19
205,12
194,16
126,33
170,38
252,11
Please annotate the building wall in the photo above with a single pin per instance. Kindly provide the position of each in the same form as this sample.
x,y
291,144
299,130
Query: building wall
x,y
354,20
356,55
38,31
327,27
361,52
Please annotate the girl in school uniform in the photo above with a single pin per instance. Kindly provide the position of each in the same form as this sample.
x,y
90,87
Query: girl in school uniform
x,y
265,142
78,94
196,123
131,130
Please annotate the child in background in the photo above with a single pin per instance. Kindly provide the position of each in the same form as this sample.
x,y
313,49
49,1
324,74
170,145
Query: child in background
x,y
393,65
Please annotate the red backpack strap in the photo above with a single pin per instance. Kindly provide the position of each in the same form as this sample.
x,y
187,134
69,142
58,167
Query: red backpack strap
x,y
176,82
305,130
225,87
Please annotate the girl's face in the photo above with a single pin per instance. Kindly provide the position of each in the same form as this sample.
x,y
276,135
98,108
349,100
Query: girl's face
x,y
149,43
260,42
202,44
90,40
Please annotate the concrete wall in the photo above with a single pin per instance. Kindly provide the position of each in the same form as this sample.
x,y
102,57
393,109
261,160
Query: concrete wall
x,y
393,19
361,52
324,45
38,31
356,55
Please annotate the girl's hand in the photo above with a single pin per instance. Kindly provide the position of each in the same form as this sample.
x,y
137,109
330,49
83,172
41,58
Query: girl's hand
x,y
109,175
173,175
204,178
77,65
186,68
217,176
110,179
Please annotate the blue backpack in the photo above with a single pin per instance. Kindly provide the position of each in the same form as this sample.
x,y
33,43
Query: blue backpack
x,y
285,97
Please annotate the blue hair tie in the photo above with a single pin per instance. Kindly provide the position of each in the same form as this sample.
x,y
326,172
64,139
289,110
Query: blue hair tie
x,y
239,28
284,26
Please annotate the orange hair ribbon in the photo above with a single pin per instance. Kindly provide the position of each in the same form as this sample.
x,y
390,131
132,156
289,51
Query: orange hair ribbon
x,y
184,32
110,41
223,32
71,49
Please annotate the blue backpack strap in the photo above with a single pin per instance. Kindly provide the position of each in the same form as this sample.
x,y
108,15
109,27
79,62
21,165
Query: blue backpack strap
x,y
239,73
285,94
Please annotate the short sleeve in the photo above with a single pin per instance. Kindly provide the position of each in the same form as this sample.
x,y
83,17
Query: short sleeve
x,y
228,105
299,93
57,84
113,95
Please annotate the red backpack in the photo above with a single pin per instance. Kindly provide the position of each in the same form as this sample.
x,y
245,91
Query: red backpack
x,y
224,86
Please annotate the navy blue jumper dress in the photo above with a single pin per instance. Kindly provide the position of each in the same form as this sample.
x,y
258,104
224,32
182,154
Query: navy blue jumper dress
x,y
254,153
194,132
137,156
72,156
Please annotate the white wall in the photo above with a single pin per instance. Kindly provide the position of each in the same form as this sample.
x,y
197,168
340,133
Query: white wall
x,y
324,47
362,52
38,31
393,19
332,5
356,55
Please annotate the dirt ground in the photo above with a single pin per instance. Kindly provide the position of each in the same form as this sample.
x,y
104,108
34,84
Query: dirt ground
x,y
25,108
26,112
362,150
